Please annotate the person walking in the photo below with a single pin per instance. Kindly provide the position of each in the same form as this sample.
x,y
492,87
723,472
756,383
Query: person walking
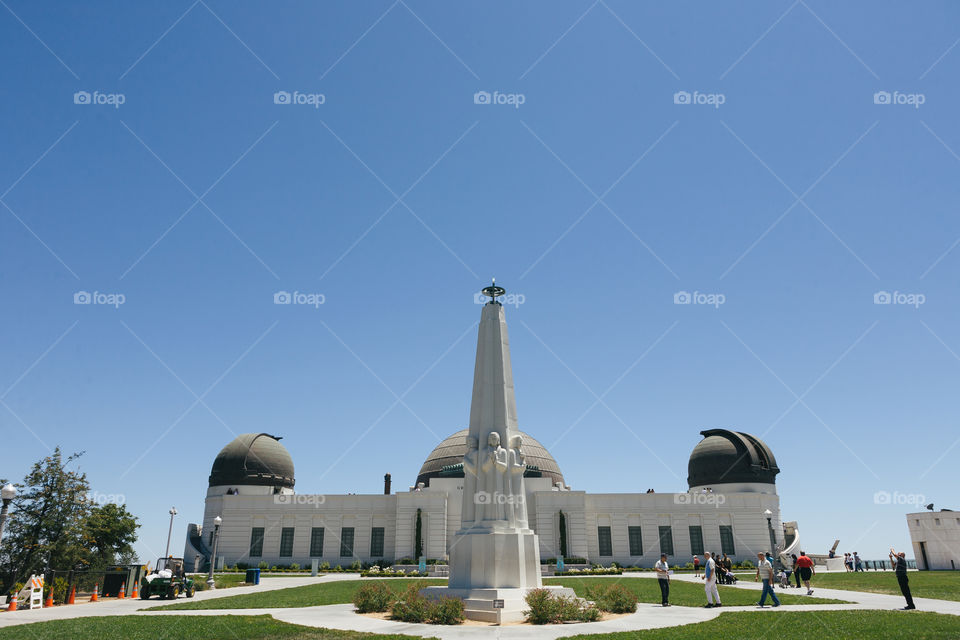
x,y
696,566
796,569
710,577
663,578
805,570
766,575
857,562
899,562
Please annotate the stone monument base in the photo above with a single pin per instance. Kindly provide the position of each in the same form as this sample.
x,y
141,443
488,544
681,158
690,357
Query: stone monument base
x,y
479,603
493,563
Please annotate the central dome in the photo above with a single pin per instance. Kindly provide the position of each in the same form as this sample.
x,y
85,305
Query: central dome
x,y
253,459
450,452
725,456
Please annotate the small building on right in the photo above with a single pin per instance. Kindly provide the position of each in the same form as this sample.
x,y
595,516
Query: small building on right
x,y
936,539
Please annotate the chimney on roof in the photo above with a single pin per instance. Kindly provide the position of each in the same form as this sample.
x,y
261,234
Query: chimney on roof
x,y
386,484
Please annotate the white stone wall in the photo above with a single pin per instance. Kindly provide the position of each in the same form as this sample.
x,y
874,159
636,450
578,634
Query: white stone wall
x,y
939,531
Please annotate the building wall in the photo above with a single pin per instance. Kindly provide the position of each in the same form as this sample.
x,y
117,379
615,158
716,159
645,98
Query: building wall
x,y
440,507
939,531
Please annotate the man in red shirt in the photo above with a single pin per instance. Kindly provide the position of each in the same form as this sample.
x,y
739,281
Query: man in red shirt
x,y
804,566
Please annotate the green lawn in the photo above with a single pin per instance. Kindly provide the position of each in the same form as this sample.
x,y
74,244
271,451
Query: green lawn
x,y
824,625
193,627
943,585
683,593
310,595
827,625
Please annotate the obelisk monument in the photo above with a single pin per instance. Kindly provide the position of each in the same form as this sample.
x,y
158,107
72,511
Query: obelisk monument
x,y
495,556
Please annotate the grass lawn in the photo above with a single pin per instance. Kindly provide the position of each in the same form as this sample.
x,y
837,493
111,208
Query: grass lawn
x,y
223,580
193,627
683,593
824,625
310,595
943,585
827,625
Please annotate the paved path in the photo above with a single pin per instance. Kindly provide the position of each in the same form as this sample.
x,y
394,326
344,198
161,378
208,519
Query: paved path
x,y
341,616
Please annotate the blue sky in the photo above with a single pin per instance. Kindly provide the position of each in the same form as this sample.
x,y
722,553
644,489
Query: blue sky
x,y
600,198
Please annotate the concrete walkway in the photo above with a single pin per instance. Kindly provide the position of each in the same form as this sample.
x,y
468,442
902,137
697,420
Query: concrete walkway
x,y
342,616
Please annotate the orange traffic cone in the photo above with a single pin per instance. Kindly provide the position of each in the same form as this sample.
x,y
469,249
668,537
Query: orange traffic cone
x,y
136,592
123,591
94,598
72,598
13,603
49,601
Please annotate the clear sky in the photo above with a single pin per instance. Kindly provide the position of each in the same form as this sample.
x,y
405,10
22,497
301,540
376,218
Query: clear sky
x,y
149,156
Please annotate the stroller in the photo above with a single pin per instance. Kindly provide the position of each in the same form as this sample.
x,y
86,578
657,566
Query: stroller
x,y
730,578
784,579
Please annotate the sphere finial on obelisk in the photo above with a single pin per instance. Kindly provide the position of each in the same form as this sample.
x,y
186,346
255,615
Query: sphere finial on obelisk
x,y
493,292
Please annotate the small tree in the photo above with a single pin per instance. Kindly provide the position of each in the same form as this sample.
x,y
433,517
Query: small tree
x,y
110,531
418,544
563,536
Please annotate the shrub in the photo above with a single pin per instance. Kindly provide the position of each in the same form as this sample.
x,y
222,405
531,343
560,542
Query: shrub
x,y
542,605
589,613
263,566
324,566
294,566
615,599
411,606
575,560
373,597
355,565
746,564
446,611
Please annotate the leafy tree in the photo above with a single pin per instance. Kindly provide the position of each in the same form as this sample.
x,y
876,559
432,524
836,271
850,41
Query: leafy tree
x,y
110,531
46,520
418,545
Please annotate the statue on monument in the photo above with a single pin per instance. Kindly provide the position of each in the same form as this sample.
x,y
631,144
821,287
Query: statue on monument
x,y
470,460
494,474
517,466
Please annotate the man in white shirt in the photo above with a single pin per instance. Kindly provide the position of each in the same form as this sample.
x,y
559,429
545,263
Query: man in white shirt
x,y
663,577
765,569
710,575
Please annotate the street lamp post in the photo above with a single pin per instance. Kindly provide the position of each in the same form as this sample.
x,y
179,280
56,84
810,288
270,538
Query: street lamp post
x,y
213,555
173,512
773,540
8,493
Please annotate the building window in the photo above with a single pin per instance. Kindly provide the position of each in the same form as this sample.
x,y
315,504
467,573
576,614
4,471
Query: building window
x,y
936,521
376,542
666,540
636,541
286,542
346,542
606,543
726,540
316,542
256,542
696,540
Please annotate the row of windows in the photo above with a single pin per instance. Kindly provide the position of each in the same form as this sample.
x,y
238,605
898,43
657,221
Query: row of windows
x,y
665,535
316,542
